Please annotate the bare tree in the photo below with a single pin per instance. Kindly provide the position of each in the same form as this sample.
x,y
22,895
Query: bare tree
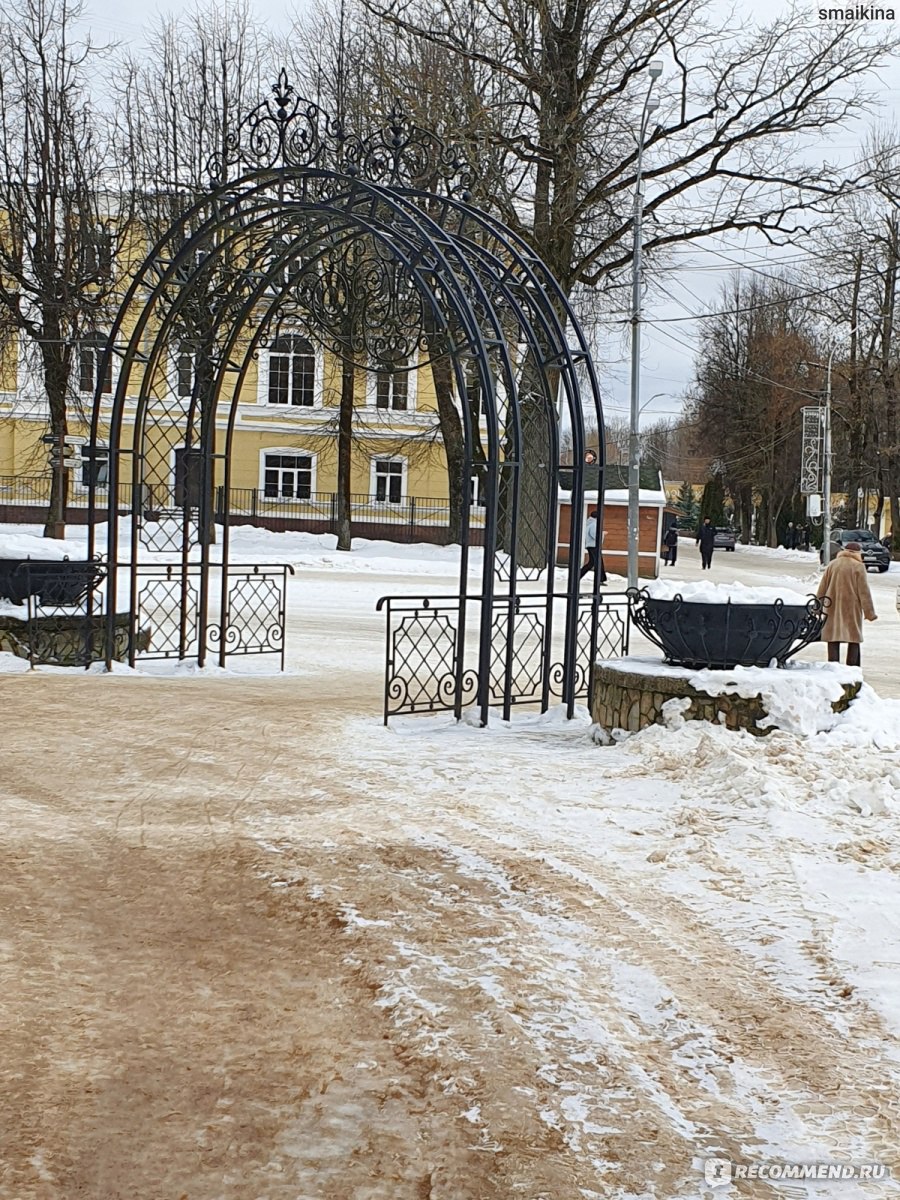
x,y
560,85
345,61
65,212
749,389
187,91
188,88
859,269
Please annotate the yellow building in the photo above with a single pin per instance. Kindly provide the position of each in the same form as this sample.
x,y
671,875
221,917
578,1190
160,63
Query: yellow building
x,y
284,448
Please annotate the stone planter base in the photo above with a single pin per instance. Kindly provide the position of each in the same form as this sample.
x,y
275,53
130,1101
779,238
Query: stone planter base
x,y
633,699
60,640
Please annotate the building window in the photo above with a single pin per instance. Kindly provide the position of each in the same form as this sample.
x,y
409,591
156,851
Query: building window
x,y
476,491
97,252
94,464
392,388
388,480
288,476
292,371
90,365
184,374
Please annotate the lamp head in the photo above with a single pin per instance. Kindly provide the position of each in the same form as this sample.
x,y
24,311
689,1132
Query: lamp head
x,y
655,68
652,105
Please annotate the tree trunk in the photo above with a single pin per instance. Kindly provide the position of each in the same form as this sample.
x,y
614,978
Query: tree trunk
x,y
895,522
56,359
746,509
344,457
451,430
55,525
537,473
762,520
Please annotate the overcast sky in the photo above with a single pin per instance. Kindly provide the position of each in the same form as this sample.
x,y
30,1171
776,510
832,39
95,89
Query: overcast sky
x,y
670,332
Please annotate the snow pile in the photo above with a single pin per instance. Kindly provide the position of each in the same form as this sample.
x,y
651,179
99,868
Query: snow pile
x,y
800,556
797,698
11,664
31,545
249,544
869,721
720,593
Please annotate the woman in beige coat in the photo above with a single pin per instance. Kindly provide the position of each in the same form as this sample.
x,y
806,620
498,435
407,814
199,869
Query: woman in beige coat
x,y
846,584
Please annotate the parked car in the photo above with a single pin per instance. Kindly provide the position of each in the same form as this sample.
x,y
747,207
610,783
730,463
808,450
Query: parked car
x,y
874,555
725,538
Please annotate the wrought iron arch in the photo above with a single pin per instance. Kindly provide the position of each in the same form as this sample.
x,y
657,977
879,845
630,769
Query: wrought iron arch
x,y
312,193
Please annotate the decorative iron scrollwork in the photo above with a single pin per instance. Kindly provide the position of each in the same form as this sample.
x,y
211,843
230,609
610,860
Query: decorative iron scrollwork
x,y
284,130
287,130
403,154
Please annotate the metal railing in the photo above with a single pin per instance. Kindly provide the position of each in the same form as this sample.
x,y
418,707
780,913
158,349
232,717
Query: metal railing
x,y
34,491
246,505
409,510
431,649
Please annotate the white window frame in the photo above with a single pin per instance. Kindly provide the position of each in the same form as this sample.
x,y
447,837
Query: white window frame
x,y
262,390
412,375
97,346
287,452
373,478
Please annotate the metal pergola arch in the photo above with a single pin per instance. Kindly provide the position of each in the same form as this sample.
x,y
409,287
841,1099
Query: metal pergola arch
x,y
477,280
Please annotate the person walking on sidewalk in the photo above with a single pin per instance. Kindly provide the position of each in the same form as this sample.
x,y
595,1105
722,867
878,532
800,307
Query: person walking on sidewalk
x,y
706,540
590,545
845,584
670,542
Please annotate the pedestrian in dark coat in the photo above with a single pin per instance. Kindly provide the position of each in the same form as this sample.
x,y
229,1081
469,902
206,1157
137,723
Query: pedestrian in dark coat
x,y
706,540
670,542
790,537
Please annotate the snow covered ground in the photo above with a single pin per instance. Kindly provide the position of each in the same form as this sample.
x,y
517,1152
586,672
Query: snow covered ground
x,y
603,964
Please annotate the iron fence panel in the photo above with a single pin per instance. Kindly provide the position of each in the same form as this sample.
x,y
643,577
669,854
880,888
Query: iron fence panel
x,y
428,663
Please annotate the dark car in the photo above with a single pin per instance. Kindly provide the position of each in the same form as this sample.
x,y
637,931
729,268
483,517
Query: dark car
x,y
725,538
875,556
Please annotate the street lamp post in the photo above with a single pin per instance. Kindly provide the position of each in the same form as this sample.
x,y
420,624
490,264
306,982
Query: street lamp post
x,y
826,480
634,445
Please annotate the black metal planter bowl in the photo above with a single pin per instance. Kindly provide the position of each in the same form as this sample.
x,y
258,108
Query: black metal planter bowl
x,y
722,636
54,581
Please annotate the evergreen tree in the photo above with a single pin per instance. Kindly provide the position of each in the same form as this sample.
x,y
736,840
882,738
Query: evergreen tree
x,y
686,505
712,504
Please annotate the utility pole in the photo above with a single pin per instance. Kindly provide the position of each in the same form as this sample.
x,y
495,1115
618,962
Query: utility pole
x,y
634,441
826,514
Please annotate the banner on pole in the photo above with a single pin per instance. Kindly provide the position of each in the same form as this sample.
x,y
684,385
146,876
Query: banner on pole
x,y
812,449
